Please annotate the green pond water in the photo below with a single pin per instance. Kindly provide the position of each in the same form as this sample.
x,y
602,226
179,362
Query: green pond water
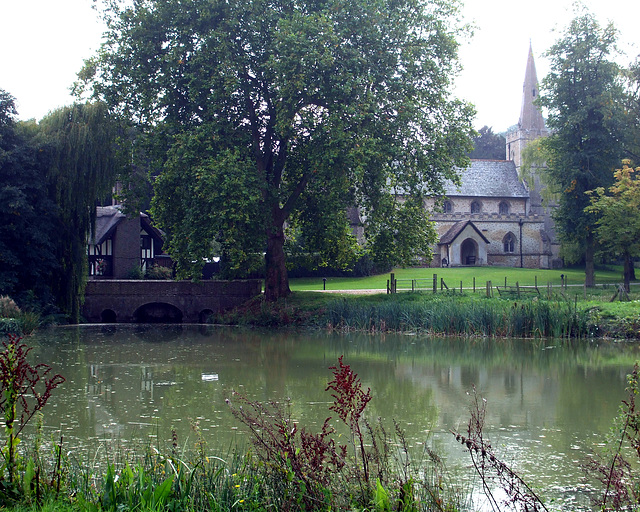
x,y
548,404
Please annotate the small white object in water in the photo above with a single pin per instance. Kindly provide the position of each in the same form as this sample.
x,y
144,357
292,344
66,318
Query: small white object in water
x,y
208,377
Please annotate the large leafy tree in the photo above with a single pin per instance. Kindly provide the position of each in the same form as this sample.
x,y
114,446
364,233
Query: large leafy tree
x,y
81,168
632,106
51,175
583,95
618,208
281,113
488,145
26,210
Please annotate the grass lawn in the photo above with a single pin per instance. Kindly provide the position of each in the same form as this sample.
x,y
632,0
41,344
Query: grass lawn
x,y
453,276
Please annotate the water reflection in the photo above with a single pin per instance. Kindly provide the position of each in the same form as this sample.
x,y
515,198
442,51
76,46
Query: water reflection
x,y
547,403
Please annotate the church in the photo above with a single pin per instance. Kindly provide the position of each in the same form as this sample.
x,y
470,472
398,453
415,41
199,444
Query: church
x,y
495,218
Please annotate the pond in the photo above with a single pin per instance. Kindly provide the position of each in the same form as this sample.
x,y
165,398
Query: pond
x,y
548,403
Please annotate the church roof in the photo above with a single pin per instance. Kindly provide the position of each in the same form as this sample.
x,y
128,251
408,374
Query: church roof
x,y
458,228
488,178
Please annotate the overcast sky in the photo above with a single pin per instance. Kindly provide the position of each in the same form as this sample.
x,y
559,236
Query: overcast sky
x,y
43,44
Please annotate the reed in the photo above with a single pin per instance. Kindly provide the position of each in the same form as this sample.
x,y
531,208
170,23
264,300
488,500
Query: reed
x,y
459,315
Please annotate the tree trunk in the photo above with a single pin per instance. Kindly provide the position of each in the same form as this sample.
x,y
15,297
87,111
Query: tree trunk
x,y
589,270
628,271
276,283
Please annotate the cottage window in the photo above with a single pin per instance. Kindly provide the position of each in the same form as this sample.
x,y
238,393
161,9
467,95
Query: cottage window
x,y
509,242
503,208
447,207
475,207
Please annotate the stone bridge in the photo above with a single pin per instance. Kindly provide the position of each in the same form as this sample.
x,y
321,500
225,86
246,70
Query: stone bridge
x,y
126,301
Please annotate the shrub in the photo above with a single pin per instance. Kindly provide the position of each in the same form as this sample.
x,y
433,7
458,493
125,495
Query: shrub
x,y
158,272
8,307
10,326
135,272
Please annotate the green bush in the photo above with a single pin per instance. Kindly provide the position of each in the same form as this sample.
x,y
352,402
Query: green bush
x,y
8,307
10,326
158,272
135,272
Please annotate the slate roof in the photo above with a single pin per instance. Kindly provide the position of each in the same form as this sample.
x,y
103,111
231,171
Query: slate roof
x,y
107,218
456,229
488,178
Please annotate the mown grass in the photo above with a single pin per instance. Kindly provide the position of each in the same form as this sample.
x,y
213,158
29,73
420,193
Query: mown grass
x,y
453,277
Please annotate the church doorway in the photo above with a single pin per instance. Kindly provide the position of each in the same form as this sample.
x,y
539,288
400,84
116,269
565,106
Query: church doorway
x,y
469,252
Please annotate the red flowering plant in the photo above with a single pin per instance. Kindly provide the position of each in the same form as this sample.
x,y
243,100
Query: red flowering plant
x,y
25,390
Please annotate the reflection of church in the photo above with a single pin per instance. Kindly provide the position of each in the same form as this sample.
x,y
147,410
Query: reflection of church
x,y
493,217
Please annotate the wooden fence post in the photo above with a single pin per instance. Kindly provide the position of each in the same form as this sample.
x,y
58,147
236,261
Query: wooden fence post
x,y
474,284
488,289
393,283
435,283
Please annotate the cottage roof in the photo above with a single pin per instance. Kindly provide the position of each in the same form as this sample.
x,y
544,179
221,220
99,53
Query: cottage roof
x,y
107,218
456,229
488,178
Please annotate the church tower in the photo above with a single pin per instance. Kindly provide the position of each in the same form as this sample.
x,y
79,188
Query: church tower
x,y
529,128
531,123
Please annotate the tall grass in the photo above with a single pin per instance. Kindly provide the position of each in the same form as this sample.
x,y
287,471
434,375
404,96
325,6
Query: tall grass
x,y
446,314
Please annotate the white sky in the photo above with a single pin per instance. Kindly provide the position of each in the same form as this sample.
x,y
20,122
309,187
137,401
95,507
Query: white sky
x,y
43,44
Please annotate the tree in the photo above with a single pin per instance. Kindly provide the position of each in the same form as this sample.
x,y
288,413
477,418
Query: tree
x,y
27,212
275,113
82,168
51,175
583,95
488,145
632,107
618,224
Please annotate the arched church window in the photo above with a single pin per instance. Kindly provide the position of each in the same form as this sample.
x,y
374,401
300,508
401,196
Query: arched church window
x,y
475,207
503,208
509,242
447,207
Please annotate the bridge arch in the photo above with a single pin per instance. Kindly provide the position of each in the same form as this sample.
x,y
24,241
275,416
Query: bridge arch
x,y
158,312
204,315
108,316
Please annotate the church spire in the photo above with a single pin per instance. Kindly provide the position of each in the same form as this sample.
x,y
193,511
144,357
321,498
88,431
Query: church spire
x,y
531,120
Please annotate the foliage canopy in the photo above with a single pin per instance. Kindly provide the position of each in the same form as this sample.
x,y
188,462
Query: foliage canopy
x,y
618,209
584,98
51,175
268,114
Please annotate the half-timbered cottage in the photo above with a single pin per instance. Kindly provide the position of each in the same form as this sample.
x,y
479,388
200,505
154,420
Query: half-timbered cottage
x,y
120,245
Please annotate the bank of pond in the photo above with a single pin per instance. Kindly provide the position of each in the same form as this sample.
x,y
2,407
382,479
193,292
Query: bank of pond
x,y
453,313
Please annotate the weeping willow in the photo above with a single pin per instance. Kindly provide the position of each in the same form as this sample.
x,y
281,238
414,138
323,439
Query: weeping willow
x,y
82,168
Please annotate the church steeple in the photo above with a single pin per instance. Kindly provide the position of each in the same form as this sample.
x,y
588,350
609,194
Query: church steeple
x,y
531,120
531,123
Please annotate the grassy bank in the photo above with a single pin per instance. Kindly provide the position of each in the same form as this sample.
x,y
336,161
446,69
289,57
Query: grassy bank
x,y
564,313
